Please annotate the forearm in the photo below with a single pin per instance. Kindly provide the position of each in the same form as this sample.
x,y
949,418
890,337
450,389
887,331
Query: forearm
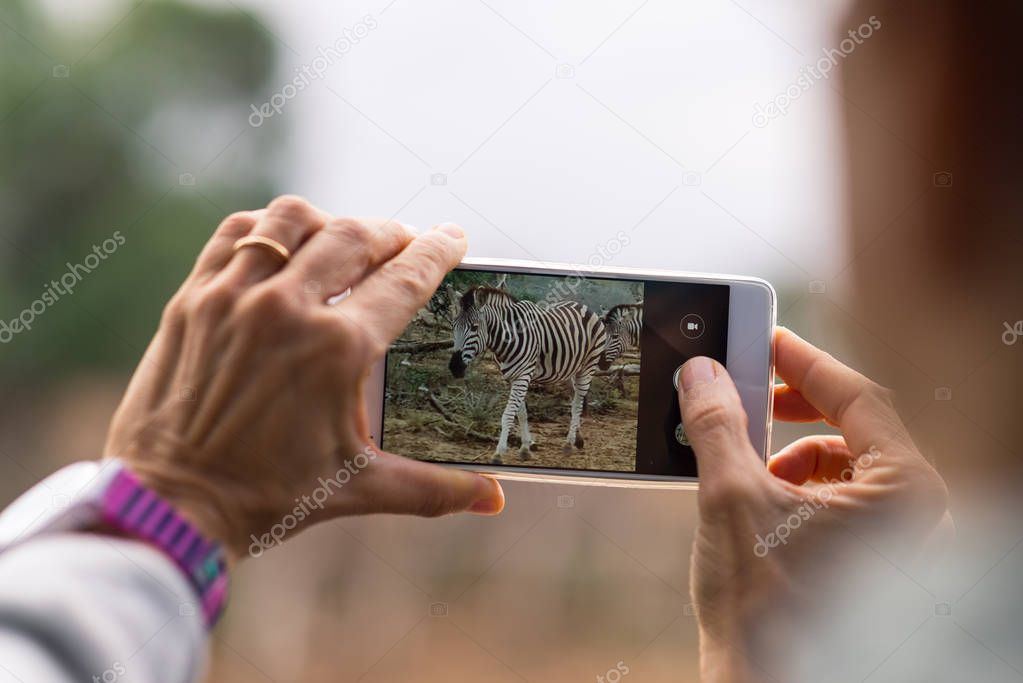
x,y
96,608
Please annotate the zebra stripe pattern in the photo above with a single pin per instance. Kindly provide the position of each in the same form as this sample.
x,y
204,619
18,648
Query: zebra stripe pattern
x,y
533,344
624,323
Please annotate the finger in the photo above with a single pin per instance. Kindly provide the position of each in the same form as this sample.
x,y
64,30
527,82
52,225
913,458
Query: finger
x,y
790,406
344,252
861,408
715,423
385,301
219,250
288,220
817,458
410,487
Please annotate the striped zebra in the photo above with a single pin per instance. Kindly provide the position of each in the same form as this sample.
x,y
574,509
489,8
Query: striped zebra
x,y
533,344
624,323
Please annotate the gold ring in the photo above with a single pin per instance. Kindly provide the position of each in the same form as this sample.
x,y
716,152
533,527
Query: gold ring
x,y
271,245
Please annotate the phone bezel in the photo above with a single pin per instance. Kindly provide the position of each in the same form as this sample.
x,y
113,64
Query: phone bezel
x,y
751,314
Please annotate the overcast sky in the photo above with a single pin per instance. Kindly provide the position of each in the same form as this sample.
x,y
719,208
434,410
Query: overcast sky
x,y
553,126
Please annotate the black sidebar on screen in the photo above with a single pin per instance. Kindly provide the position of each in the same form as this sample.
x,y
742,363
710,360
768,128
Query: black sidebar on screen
x,y
680,321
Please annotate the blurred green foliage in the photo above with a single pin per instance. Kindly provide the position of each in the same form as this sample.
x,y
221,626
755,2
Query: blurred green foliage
x,y
137,125
598,294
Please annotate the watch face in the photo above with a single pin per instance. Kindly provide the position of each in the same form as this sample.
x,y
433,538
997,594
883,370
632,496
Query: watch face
x,y
70,498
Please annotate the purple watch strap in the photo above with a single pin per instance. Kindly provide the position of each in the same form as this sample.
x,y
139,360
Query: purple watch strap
x,y
130,507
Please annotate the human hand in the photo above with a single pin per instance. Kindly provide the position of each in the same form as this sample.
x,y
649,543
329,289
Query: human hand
x,y
772,539
249,399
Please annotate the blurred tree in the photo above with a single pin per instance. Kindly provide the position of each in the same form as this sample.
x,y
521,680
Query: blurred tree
x,y
142,130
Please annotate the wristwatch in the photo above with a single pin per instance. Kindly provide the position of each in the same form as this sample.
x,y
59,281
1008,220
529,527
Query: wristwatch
x,y
88,494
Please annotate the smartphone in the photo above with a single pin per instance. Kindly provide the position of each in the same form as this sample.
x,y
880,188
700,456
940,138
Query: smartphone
x,y
547,371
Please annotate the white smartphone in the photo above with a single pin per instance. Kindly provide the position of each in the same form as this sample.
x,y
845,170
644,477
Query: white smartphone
x,y
545,371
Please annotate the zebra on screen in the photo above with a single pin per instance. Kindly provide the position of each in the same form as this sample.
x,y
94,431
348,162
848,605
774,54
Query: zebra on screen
x,y
533,344
624,323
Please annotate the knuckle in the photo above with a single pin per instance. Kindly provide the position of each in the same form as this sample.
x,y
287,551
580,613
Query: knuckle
x,y
436,253
237,223
713,416
290,207
349,230
174,311
265,303
409,276
212,301
433,504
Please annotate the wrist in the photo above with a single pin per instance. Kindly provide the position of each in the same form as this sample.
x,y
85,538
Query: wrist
x,y
196,501
133,509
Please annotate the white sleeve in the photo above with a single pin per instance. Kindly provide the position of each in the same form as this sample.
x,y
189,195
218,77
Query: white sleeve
x,y
85,607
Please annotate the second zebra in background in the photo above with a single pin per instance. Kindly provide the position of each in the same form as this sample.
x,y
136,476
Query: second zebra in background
x,y
624,323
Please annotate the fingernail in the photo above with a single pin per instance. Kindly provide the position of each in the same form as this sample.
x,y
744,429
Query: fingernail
x,y
451,230
493,502
410,228
488,506
697,372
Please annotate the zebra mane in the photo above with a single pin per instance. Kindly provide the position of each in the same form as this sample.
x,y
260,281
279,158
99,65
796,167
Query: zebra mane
x,y
481,296
622,310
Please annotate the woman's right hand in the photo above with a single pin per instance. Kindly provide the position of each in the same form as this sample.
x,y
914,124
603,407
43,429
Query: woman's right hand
x,y
247,410
770,539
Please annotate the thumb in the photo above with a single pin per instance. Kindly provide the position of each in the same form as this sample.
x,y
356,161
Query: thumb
x,y
410,487
715,423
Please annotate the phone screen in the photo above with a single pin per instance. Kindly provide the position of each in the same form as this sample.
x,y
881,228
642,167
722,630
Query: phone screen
x,y
551,372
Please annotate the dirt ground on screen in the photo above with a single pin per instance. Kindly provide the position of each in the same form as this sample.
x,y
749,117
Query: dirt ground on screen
x,y
415,428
